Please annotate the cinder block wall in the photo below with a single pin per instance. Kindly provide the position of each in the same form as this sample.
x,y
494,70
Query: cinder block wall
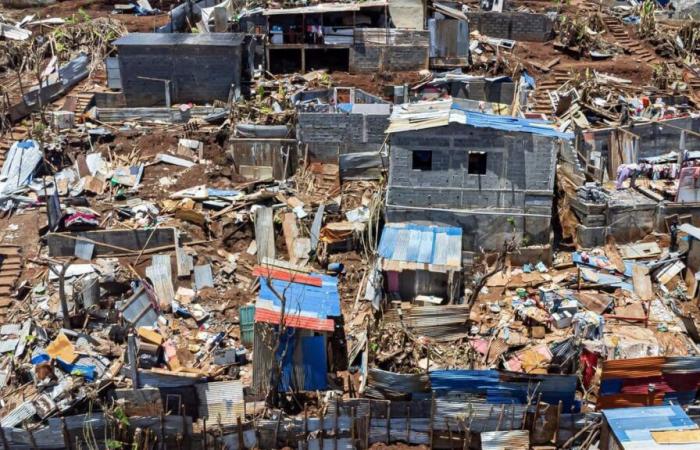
x,y
331,134
403,50
519,179
199,74
517,26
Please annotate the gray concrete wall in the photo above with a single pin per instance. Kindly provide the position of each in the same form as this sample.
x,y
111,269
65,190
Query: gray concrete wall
x,y
512,25
402,50
198,74
328,135
519,180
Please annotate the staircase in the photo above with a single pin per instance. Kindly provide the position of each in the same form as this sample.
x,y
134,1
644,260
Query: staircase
x,y
617,29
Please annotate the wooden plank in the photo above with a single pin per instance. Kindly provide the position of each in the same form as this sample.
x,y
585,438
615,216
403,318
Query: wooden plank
x,y
291,232
642,282
111,242
641,250
669,272
185,262
676,437
264,233
614,255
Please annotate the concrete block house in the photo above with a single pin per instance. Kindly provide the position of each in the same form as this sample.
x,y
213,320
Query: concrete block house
x,y
492,176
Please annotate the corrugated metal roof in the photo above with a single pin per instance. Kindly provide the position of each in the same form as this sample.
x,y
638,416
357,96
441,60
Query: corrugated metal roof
x,y
385,384
305,304
633,368
506,387
422,115
681,364
173,39
505,440
632,426
423,244
313,301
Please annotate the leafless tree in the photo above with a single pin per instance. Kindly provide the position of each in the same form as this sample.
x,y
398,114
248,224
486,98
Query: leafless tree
x,y
509,246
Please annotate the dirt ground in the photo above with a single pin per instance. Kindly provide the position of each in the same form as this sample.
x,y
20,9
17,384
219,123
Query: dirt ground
x,y
623,66
375,83
96,8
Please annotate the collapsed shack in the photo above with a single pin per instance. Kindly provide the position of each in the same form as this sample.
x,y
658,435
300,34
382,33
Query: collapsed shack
x,y
641,180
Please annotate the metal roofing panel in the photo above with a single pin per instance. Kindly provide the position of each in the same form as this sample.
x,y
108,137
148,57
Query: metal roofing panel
x,y
632,426
314,363
502,440
400,250
221,400
414,238
312,301
506,387
454,250
681,364
293,320
633,368
422,244
425,247
440,113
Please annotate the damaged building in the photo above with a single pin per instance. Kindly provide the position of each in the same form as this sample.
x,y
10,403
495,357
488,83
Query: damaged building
x,y
491,175
356,37
634,180
163,69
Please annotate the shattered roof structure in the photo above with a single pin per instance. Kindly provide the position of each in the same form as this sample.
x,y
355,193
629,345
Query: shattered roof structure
x,y
422,115
407,246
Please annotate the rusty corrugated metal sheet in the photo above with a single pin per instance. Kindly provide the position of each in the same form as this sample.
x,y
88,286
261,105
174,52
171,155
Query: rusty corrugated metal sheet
x,y
505,440
633,368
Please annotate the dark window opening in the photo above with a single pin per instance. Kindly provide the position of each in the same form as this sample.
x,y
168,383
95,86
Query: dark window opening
x,y
477,163
287,60
330,59
422,160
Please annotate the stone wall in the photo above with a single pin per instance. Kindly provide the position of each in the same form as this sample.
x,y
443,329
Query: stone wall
x,y
517,26
519,181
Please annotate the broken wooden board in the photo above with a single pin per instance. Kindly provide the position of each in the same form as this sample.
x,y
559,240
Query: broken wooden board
x,y
598,303
112,242
667,274
640,250
264,233
614,255
678,437
642,282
